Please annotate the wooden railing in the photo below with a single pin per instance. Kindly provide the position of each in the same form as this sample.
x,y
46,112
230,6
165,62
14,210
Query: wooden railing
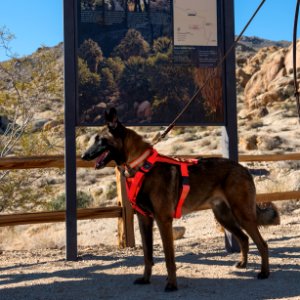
x,y
57,161
123,211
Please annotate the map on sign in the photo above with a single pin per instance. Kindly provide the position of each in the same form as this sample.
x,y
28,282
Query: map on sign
x,y
195,23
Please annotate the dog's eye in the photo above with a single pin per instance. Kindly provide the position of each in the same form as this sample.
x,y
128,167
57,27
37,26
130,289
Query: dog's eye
x,y
97,138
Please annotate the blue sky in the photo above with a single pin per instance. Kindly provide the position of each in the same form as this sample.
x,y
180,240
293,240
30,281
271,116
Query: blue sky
x,y
40,22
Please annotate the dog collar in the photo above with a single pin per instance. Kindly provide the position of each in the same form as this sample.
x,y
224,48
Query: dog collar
x,y
140,160
129,169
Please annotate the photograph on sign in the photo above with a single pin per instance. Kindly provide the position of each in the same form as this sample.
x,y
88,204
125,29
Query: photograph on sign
x,y
147,58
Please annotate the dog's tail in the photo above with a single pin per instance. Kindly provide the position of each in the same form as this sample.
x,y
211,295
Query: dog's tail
x,y
267,214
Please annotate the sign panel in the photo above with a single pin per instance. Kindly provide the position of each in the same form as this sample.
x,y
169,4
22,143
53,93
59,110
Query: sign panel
x,y
147,58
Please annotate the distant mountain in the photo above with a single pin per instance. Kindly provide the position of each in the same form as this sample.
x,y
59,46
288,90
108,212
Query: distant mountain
x,y
256,43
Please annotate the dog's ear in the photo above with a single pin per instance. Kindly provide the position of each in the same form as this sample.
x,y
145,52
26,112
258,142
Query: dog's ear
x,y
111,118
113,124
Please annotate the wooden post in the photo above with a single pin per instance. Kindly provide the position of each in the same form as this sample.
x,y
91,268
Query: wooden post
x,y
125,223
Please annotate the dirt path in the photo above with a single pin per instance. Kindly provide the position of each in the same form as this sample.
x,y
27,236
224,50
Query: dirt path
x,y
204,270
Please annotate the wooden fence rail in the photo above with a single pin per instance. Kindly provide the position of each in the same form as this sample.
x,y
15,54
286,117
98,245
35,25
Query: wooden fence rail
x,y
57,161
59,216
123,212
109,212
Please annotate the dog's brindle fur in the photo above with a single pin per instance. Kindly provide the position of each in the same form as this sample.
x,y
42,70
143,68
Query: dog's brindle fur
x,y
224,185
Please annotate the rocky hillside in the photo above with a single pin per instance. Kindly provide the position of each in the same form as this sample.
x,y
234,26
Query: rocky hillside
x,y
257,43
266,76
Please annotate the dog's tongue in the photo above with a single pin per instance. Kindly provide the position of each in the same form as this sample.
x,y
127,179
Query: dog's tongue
x,y
101,158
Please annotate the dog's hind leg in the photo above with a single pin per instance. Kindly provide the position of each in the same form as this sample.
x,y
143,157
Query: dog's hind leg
x,y
146,229
166,232
224,216
251,228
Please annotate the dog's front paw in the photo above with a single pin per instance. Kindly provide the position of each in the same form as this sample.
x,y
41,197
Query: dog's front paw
x,y
141,280
263,275
241,265
170,287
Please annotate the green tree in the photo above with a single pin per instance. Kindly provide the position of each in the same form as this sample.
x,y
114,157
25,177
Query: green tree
x,y
133,44
108,88
178,81
135,82
89,86
90,52
171,84
116,66
162,45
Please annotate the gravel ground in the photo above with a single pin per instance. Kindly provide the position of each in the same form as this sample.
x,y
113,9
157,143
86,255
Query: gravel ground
x,y
204,269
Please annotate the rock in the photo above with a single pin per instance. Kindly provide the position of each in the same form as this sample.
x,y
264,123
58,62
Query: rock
x,y
268,98
178,232
242,77
244,114
249,143
257,90
262,112
51,124
38,124
266,142
271,76
296,212
258,59
289,59
143,110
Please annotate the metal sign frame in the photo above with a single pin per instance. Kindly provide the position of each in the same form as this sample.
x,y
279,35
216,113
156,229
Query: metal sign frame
x,y
229,132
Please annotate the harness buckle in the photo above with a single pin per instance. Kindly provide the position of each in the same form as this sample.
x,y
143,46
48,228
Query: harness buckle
x,y
185,180
147,166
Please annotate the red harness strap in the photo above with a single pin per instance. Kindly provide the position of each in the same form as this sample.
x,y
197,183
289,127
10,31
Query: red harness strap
x,y
134,184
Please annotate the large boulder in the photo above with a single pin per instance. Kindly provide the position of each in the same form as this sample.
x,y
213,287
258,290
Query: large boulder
x,y
267,77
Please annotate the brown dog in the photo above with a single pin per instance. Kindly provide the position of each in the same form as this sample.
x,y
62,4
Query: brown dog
x,y
224,185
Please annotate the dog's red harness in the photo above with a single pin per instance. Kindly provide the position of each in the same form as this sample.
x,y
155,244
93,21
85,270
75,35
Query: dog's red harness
x,y
134,184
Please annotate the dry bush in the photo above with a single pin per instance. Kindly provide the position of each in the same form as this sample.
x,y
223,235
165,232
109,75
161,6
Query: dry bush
x,y
212,89
269,142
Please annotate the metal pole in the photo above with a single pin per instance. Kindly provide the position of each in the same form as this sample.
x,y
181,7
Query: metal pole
x,y
70,125
229,131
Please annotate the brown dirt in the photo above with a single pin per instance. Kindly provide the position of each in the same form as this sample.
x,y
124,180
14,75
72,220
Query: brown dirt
x,y
204,269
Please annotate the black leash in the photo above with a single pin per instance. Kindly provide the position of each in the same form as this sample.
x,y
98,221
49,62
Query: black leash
x,y
171,126
296,86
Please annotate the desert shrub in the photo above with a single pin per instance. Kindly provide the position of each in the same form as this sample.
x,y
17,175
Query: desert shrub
x,y
256,124
269,142
176,148
178,131
59,203
111,191
288,207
